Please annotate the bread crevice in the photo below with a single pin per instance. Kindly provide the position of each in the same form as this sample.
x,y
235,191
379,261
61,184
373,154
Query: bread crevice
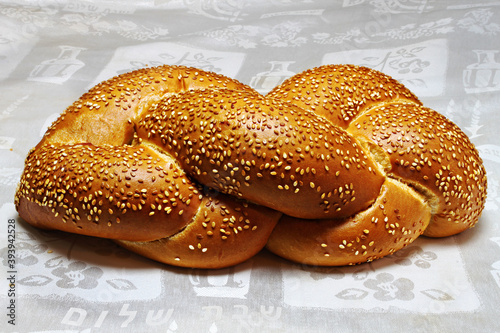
x,y
430,197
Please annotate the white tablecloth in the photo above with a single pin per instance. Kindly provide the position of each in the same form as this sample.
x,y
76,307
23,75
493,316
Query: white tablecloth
x,y
51,52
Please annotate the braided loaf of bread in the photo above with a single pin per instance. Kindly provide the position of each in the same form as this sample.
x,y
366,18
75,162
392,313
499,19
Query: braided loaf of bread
x,y
338,165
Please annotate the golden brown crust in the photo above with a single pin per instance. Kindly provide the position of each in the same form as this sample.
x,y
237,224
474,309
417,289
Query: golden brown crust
x,y
105,190
395,220
264,151
89,176
357,165
341,92
412,143
225,232
432,154
105,114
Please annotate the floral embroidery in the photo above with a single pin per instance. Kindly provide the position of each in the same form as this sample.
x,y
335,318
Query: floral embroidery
x,y
284,35
25,253
353,35
415,256
78,275
388,289
479,22
413,31
236,35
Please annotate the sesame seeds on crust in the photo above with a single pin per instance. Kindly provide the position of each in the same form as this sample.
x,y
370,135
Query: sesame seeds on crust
x,y
374,233
434,155
341,92
224,232
265,151
100,191
194,169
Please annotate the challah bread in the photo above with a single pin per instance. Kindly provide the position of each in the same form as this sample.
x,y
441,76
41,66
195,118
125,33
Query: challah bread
x,y
341,92
373,233
271,153
195,169
225,231
413,144
106,113
85,177
104,190
431,154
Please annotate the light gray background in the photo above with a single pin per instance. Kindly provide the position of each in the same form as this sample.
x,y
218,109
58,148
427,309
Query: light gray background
x,y
447,52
